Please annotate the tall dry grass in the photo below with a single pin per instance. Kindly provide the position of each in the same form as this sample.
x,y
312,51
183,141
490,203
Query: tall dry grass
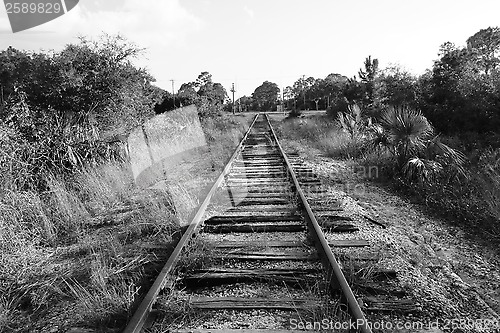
x,y
322,133
80,238
223,134
70,242
473,197
103,187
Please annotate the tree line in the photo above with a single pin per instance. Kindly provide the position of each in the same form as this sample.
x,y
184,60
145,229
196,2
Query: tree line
x,y
61,110
210,97
461,93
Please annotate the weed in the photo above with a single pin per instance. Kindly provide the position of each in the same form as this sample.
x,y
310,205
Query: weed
x,y
195,255
96,305
106,185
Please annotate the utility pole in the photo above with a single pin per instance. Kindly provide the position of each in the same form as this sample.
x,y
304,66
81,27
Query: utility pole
x,y
304,90
232,90
173,93
283,99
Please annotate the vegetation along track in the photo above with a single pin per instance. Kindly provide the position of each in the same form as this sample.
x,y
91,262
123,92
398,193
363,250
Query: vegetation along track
x,y
254,256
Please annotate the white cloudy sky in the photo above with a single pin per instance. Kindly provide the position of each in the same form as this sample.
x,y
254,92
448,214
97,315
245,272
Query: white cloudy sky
x,y
250,41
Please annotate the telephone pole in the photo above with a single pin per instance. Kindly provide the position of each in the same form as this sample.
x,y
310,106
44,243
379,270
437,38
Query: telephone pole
x,y
304,90
232,90
173,93
283,99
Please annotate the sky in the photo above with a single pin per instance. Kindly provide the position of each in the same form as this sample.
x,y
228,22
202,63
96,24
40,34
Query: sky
x,y
247,42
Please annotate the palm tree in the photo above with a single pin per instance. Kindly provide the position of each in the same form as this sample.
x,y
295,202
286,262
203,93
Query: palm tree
x,y
407,130
419,153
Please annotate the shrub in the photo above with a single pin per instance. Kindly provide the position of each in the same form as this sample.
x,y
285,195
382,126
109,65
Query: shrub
x,y
407,130
418,154
352,121
295,113
338,105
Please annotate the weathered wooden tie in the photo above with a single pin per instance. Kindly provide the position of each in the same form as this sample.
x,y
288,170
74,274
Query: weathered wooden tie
x,y
233,303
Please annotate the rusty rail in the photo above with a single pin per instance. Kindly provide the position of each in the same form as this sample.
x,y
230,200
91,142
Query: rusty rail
x,y
334,272
143,311
335,275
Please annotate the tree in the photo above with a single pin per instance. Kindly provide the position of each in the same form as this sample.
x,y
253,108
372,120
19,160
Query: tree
x,y
289,97
397,87
461,92
15,66
245,103
335,85
166,103
92,83
318,92
338,94
97,77
207,95
353,91
205,78
300,89
265,96
370,85
64,106
187,94
214,92
484,45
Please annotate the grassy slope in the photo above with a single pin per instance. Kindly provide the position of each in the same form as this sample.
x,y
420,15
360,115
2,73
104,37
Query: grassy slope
x,y
81,253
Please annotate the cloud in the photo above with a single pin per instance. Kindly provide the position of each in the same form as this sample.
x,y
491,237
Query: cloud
x,y
249,12
4,21
148,23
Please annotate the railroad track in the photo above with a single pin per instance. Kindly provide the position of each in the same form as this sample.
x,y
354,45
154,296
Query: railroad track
x,y
254,256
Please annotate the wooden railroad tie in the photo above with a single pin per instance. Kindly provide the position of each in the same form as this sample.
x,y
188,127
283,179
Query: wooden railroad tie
x,y
256,255
255,227
233,303
215,276
265,244
231,219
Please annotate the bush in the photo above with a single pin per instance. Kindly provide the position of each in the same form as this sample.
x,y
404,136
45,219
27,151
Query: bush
x,y
295,113
338,105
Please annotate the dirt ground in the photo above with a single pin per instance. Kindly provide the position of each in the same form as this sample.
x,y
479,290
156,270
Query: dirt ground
x,y
452,272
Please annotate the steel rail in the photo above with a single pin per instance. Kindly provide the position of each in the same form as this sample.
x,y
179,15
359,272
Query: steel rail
x,y
142,313
328,258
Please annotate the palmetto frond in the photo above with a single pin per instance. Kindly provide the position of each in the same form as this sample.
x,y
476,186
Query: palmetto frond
x,y
352,120
421,170
407,129
420,155
378,137
450,157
